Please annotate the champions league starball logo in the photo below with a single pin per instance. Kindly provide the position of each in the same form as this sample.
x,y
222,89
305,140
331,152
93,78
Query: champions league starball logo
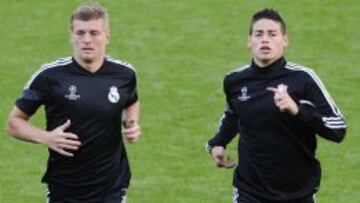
x,y
72,93
244,94
114,95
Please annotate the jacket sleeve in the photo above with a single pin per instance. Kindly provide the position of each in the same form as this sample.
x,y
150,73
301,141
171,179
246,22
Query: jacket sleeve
x,y
228,124
319,112
33,95
227,129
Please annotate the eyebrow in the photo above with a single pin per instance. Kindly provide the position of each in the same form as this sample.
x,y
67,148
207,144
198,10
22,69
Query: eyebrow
x,y
266,30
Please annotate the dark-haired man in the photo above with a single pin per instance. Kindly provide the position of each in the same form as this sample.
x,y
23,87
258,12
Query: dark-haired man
x,y
278,107
86,98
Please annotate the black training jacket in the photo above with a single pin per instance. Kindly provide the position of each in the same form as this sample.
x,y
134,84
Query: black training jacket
x,y
276,151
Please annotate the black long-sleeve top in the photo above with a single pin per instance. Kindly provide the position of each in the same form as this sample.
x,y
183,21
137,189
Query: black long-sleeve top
x,y
276,151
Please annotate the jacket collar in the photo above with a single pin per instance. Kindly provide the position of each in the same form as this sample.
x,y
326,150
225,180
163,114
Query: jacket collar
x,y
274,67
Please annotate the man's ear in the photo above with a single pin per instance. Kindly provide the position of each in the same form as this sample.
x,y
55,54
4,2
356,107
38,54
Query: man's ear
x,y
108,35
286,40
70,35
249,41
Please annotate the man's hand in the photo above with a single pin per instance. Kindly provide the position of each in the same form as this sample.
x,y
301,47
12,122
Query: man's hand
x,y
220,158
283,100
62,142
131,131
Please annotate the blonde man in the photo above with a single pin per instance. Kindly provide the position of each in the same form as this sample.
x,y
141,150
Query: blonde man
x,y
86,98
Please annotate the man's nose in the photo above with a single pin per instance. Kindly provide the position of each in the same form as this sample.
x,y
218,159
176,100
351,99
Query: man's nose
x,y
87,38
265,38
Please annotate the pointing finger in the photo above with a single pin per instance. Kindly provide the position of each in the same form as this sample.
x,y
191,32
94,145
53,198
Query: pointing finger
x,y
272,89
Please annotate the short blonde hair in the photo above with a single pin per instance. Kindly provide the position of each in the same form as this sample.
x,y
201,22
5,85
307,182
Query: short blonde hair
x,y
90,11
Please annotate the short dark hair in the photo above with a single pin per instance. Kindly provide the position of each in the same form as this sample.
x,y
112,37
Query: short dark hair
x,y
270,14
90,11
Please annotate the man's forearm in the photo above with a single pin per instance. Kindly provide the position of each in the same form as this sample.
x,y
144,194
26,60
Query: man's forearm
x,y
131,114
19,127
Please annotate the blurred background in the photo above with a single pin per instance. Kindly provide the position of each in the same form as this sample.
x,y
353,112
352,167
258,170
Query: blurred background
x,y
182,50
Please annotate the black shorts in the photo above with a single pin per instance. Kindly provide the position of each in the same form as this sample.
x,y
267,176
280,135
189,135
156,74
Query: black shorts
x,y
242,197
115,196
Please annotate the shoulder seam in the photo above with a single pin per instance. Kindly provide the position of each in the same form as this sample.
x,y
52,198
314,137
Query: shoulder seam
x,y
238,70
123,63
318,82
44,67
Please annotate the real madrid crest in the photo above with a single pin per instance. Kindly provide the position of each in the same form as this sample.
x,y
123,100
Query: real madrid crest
x,y
113,95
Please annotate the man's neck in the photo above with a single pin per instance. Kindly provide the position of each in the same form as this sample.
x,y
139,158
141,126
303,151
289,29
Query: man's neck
x,y
91,66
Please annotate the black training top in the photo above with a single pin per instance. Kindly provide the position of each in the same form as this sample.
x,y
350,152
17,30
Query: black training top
x,y
94,103
277,151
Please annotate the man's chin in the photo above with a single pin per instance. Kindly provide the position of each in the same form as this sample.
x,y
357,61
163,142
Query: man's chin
x,y
264,59
87,59
267,57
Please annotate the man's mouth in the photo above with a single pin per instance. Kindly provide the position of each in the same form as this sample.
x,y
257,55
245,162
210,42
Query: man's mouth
x,y
265,48
87,49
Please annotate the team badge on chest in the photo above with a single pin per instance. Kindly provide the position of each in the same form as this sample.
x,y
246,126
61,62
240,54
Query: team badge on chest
x,y
113,95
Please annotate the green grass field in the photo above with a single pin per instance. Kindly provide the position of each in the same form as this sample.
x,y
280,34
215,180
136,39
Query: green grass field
x,y
182,50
